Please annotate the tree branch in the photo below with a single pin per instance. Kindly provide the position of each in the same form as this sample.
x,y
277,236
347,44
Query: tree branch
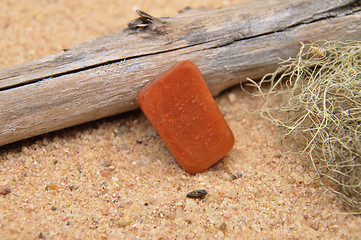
x,y
102,77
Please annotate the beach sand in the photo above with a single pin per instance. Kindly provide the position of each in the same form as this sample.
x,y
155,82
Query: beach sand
x,y
115,178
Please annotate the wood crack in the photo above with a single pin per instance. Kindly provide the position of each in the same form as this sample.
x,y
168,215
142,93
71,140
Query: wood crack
x,y
348,9
102,77
150,23
74,71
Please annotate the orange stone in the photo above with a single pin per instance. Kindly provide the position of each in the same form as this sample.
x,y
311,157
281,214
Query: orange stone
x,y
180,106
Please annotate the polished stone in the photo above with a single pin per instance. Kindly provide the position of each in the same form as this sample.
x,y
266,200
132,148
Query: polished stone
x,y
180,106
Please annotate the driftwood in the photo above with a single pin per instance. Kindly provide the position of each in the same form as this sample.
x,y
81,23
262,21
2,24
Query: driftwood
x,y
101,77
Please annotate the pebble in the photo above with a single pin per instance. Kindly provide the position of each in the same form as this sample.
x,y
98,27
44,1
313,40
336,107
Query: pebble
x,y
151,133
237,175
73,187
51,186
53,208
184,177
104,163
227,215
184,111
121,130
135,227
141,141
315,226
222,227
232,97
124,221
4,190
197,193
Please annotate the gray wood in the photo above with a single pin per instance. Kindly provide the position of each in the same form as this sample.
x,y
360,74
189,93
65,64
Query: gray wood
x,y
101,77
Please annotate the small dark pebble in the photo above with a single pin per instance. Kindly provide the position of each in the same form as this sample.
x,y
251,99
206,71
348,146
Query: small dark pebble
x,y
146,204
53,208
237,175
143,142
115,201
41,235
73,187
197,193
222,227
5,190
68,223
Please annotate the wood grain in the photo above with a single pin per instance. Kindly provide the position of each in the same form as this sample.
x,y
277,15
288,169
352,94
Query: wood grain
x,y
102,77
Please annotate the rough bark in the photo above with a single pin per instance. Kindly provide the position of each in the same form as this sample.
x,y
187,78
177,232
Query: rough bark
x,y
102,77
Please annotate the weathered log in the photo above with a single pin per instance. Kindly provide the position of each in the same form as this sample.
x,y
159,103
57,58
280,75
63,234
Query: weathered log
x,y
102,77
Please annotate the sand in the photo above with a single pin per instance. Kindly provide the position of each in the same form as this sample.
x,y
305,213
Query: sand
x,y
115,179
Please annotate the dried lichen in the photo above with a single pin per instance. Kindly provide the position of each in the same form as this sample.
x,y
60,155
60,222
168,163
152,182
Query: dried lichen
x,y
321,109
